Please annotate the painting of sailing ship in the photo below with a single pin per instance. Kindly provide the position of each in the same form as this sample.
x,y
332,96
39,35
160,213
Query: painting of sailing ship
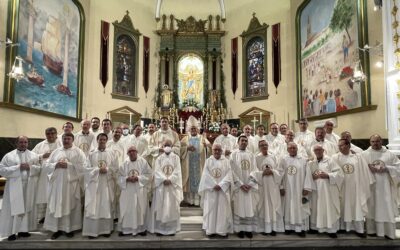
x,y
49,42
329,41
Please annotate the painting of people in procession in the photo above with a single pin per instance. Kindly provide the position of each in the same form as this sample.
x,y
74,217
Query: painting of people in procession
x,y
329,51
49,43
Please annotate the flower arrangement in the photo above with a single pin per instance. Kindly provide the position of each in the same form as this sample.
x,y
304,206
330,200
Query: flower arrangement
x,y
214,127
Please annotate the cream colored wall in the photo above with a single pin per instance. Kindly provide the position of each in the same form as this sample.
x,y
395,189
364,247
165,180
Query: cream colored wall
x,y
238,14
95,102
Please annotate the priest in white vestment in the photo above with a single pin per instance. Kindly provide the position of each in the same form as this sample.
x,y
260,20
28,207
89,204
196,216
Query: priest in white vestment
x,y
95,125
228,142
296,186
269,178
215,191
330,135
107,128
251,142
259,136
64,211
325,203
84,138
68,127
135,176
18,213
279,149
329,148
151,128
100,178
383,204
353,148
245,192
194,151
304,136
159,137
274,135
356,189
138,140
165,217
43,150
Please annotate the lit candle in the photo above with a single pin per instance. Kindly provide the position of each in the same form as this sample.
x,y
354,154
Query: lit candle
x,y
260,117
141,123
130,119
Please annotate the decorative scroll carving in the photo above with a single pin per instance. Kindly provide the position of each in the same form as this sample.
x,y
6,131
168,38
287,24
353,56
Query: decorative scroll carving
x,y
191,25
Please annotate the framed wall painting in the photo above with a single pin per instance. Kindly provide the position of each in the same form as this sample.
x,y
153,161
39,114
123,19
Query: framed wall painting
x,y
329,35
51,37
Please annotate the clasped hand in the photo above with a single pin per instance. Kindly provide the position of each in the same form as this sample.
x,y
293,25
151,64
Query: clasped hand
x,y
24,166
246,188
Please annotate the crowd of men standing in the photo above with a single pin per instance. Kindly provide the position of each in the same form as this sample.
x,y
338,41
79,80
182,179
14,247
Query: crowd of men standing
x,y
283,181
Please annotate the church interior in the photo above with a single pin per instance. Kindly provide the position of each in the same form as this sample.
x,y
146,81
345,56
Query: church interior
x,y
222,61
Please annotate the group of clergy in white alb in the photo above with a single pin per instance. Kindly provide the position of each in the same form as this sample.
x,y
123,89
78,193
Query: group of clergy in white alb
x,y
293,183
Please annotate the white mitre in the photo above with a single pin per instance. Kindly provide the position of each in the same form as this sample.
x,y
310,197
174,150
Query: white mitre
x,y
192,122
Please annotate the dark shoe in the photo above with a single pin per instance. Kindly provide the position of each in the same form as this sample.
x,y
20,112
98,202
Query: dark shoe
x,y
372,235
92,237
302,234
273,233
332,235
144,233
287,232
106,235
361,235
249,235
264,233
170,235
12,237
211,235
121,234
24,234
69,235
115,220
342,231
158,234
389,238
241,234
223,236
312,231
41,221
56,235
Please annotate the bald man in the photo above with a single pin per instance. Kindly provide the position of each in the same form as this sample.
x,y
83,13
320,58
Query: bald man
x,y
84,138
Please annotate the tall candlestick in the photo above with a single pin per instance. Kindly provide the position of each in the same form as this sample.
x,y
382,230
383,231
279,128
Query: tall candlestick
x,y
260,117
130,119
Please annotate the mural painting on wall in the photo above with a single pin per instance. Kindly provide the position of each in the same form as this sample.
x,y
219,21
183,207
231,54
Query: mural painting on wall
x,y
50,40
329,52
190,81
255,67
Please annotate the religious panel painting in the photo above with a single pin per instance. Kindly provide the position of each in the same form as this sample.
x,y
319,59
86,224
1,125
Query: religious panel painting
x,y
329,34
190,81
50,37
255,67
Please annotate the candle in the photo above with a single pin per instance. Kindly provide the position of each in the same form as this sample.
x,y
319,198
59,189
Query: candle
x,y
141,123
260,117
130,119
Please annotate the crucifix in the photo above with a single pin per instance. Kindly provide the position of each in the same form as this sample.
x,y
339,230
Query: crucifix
x,y
254,121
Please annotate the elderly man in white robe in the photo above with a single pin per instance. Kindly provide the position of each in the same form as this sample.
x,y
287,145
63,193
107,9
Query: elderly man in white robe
x,y
228,141
245,191
274,134
64,211
304,136
102,168
159,137
137,140
325,203
269,178
135,176
330,135
21,168
215,191
382,205
84,138
355,190
194,150
296,186
44,149
165,218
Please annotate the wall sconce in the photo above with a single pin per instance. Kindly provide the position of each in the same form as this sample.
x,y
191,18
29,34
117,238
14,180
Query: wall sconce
x,y
358,74
8,43
17,71
377,49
